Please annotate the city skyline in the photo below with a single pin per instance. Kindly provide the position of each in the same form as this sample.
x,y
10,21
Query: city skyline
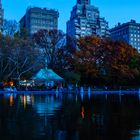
x,y
111,11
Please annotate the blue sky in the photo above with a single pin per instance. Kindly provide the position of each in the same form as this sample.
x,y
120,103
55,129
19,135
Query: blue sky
x,y
113,10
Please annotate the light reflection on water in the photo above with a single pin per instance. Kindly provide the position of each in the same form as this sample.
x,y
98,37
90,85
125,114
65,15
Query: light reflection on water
x,y
70,116
136,134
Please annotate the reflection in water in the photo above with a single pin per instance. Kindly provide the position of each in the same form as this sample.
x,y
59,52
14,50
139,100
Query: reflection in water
x,y
82,95
89,92
24,101
11,97
106,96
70,116
120,97
11,100
139,95
136,134
82,112
47,105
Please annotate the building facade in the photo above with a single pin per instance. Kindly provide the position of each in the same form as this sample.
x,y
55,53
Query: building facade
x,y
128,32
85,20
37,18
1,16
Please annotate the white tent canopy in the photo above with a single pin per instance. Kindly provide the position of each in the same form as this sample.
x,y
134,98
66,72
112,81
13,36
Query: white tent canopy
x,y
47,75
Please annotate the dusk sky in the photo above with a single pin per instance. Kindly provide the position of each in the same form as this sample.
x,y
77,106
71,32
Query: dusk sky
x,y
113,10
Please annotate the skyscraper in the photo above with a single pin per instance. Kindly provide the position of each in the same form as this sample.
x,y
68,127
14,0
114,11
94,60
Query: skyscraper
x,y
1,16
128,32
85,20
37,18
83,1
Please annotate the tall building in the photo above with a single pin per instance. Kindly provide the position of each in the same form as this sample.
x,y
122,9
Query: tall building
x,y
37,18
85,20
1,16
128,32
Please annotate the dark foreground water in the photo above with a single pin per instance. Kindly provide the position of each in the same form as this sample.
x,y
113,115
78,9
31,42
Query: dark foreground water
x,y
69,116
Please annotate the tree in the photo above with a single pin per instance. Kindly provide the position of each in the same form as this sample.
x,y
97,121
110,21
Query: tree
x,y
117,60
50,43
85,59
10,27
19,58
103,61
25,58
5,65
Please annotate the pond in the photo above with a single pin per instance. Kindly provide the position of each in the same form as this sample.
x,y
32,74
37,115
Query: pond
x,y
69,116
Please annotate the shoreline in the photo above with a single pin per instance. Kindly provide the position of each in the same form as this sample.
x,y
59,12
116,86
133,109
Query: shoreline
x,y
74,92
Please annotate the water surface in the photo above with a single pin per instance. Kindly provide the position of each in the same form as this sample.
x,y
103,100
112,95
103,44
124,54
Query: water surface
x,y
69,116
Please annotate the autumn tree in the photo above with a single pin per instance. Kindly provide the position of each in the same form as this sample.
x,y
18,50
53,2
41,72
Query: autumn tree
x,y
117,61
103,61
86,59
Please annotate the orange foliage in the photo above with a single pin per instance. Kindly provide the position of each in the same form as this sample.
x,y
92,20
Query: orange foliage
x,y
103,57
